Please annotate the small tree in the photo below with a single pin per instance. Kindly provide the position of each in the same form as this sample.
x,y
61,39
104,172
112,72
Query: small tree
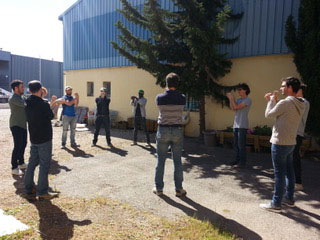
x,y
304,42
184,41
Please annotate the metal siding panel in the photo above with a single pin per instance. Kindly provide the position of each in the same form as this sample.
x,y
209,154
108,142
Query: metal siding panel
x,y
263,28
270,26
279,22
256,28
89,27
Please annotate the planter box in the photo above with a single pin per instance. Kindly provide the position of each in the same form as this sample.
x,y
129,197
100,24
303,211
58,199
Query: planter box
x,y
225,137
122,125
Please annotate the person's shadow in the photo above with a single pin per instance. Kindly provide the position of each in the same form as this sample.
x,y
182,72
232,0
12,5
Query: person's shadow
x,y
150,149
55,223
115,150
202,213
77,152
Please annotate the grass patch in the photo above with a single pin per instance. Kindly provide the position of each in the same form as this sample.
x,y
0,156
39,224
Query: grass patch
x,y
191,228
27,234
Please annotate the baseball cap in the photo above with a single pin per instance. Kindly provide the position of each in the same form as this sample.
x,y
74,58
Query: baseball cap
x,y
141,91
67,88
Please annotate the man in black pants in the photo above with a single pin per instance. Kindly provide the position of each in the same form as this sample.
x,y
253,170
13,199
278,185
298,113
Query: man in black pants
x,y
139,113
18,127
102,117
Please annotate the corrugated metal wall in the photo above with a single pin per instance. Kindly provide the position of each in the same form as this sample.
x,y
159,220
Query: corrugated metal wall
x,y
89,28
27,69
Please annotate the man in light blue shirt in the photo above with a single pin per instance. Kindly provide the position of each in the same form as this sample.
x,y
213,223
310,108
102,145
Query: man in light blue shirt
x,y
241,123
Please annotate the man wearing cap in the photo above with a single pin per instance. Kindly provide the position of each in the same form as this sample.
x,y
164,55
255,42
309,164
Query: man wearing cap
x,y
69,116
102,116
139,113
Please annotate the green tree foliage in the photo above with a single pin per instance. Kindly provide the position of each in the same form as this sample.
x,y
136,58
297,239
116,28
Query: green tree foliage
x,y
304,41
184,41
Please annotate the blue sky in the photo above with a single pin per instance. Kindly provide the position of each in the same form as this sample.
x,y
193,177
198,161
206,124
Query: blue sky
x,y
31,27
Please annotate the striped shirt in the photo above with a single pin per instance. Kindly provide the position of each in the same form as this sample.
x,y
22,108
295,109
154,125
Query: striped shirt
x,y
170,104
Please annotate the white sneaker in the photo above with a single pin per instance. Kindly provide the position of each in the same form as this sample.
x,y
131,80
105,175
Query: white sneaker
x,y
23,166
298,187
17,172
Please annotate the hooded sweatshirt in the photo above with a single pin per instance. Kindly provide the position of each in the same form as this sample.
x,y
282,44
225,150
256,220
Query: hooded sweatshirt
x,y
288,113
39,116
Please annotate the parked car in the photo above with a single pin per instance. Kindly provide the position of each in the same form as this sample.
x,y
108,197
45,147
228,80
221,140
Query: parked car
x,y
4,95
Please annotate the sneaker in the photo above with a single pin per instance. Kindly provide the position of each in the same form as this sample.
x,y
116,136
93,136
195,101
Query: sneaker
x,y
270,207
239,166
134,143
74,145
23,166
17,172
181,193
63,146
288,203
157,192
48,196
233,163
298,187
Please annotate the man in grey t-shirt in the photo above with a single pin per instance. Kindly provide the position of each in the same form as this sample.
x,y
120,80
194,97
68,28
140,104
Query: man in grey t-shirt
x,y
241,123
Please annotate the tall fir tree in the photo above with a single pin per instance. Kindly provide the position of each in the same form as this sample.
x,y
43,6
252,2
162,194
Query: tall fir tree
x,y
184,41
304,42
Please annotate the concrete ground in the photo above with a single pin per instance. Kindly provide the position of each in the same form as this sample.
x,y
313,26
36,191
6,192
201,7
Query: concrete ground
x,y
216,192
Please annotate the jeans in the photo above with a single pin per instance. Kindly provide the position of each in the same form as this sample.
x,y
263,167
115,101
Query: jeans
x,y
297,160
39,154
66,121
173,137
282,160
239,144
20,142
137,122
105,121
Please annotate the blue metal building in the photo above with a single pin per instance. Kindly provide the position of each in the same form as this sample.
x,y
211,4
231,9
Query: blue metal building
x,y
50,73
89,26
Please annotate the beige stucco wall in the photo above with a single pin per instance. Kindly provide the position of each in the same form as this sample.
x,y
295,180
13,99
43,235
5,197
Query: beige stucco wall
x,y
262,74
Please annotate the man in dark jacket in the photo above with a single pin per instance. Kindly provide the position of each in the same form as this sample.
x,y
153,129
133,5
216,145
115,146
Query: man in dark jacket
x,y
102,116
39,116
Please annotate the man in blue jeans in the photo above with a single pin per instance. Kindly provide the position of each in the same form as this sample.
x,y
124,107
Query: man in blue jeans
x,y
39,116
241,123
288,113
170,133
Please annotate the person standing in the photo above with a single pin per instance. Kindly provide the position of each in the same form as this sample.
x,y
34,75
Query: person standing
x,y
288,113
68,116
102,116
139,112
300,137
39,116
170,134
18,127
241,123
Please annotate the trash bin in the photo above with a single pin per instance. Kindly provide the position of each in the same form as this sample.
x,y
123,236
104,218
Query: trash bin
x,y
210,138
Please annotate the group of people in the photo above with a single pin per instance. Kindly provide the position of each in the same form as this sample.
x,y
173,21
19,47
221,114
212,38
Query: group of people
x,y
290,116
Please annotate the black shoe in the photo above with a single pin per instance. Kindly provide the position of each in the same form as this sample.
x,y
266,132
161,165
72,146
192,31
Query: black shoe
x,y
233,163
48,196
239,166
110,144
93,144
74,145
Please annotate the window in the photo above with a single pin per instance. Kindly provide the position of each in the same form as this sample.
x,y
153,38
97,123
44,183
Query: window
x,y
107,85
90,89
192,105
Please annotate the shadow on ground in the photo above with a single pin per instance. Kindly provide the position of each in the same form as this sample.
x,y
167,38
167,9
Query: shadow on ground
x,y
257,178
202,213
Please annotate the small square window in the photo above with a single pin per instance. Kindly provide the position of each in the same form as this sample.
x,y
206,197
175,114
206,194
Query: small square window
x,y
192,105
90,87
